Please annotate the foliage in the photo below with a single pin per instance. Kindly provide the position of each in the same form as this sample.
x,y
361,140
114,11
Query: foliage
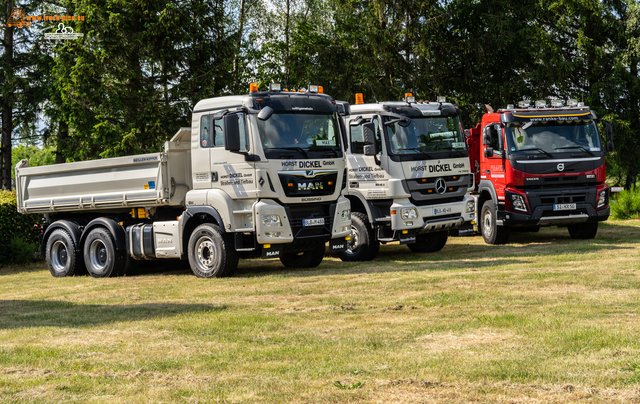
x,y
18,236
626,205
37,156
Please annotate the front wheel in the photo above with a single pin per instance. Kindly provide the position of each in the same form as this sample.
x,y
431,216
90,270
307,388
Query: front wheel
x,y
304,259
363,245
211,253
491,232
583,231
430,242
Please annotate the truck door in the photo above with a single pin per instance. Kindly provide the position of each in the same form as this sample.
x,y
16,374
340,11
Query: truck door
x,y
365,172
229,171
493,163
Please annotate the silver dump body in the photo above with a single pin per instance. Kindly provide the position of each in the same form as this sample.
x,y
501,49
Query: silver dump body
x,y
146,180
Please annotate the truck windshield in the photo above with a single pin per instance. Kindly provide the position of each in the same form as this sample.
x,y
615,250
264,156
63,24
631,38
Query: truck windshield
x,y
552,136
294,135
427,134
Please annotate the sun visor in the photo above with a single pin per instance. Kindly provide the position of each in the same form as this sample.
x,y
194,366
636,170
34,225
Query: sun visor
x,y
312,104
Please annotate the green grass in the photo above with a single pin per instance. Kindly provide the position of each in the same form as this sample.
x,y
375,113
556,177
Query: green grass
x,y
543,319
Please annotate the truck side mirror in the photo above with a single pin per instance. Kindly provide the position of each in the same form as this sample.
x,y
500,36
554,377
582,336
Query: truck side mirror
x,y
609,147
343,108
231,133
265,113
369,139
486,136
488,151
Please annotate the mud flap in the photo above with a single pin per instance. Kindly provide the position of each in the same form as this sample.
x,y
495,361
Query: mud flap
x,y
272,250
338,244
407,238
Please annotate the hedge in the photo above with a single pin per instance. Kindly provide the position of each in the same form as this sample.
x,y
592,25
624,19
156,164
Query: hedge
x,y
18,236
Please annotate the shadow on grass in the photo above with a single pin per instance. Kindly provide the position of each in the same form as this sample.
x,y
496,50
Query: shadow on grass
x,y
16,314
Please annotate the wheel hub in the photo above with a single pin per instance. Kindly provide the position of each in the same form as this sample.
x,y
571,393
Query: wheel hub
x,y
59,256
487,223
354,243
206,254
98,255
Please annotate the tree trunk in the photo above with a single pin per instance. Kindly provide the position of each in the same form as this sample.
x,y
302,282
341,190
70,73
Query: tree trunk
x,y
236,73
286,40
63,135
7,102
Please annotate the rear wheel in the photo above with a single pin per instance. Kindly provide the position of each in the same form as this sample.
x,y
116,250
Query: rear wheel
x,y
62,259
211,253
363,245
491,232
100,255
304,259
583,231
429,243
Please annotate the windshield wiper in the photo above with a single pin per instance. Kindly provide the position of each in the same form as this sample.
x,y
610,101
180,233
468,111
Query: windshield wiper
x,y
575,147
418,150
460,153
536,149
300,149
332,150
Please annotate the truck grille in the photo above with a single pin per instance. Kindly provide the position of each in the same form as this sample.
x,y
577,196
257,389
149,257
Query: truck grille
x,y
298,212
424,191
308,183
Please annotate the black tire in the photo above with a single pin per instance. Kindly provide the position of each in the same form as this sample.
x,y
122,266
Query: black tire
x,y
304,259
211,253
429,243
363,245
62,258
101,258
491,232
583,231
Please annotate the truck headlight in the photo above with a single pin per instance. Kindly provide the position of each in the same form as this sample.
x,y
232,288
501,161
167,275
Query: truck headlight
x,y
409,213
345,214
517,203
602,198
271,220
273,234
471,207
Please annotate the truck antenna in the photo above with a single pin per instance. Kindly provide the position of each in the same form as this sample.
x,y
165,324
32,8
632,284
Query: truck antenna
x,y
372,92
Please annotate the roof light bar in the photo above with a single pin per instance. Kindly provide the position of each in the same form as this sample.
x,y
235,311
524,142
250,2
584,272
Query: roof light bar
x,y
359,98
410,99
572,103
313,88
275,87
541,104
253,87
523,104
557,103
510,106
442,99
580,104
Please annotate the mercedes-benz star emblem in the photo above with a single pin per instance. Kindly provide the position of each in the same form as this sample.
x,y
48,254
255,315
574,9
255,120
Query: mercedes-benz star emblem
x,y
561,167
441,186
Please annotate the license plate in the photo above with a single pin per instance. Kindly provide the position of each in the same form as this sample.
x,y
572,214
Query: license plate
x,y
564,206
313,222
439,211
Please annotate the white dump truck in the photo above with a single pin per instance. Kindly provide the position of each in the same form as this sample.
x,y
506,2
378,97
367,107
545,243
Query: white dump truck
x,y
408,175
261,174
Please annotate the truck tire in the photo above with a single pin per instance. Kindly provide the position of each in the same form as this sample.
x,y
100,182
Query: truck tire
x,y
491,232
100,255
363,245
583,231
211,253
304,259
62,259
429,243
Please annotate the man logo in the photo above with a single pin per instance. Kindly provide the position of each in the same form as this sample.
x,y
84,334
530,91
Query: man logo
x,y
309,173
561,167
441,186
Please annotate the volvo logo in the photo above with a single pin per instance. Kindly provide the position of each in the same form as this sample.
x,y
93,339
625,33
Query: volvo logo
x,y
561,167
441,186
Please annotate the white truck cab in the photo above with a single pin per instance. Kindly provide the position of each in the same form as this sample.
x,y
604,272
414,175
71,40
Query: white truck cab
x,y
408,175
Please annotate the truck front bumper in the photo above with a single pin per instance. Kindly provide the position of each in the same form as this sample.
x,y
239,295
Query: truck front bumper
x,y
546,216
431,218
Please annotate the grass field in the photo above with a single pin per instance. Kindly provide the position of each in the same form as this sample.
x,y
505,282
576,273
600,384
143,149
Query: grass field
x,y
543,319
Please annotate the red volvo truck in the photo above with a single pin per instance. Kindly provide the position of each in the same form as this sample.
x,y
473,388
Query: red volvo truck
x,y
539,165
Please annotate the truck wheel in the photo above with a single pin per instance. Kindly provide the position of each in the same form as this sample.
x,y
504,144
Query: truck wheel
x,y
304,259
100,255
583,231
211,253
363,245
491,232
429,243
62,259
